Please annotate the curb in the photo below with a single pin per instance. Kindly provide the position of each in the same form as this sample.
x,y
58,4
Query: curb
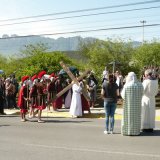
x,y
64,114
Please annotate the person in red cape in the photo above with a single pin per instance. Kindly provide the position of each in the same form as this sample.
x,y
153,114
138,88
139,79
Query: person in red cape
x,y
57,103
41,89
85,103
51,89
23,99
33,96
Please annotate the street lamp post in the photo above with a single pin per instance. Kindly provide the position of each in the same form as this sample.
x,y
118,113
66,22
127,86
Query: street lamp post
x,y
143,22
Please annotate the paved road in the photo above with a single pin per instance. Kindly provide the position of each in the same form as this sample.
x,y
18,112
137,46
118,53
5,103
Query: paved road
x,y
72,139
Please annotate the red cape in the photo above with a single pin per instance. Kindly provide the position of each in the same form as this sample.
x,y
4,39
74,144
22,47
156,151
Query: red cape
x,y
20,97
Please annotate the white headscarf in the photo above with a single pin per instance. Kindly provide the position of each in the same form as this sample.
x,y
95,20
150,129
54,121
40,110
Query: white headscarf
x,y
131,78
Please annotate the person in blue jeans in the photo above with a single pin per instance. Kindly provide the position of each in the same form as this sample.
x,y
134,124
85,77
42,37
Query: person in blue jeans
x,y
110,94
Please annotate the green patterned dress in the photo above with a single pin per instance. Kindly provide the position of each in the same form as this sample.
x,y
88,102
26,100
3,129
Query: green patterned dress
x,y
131,122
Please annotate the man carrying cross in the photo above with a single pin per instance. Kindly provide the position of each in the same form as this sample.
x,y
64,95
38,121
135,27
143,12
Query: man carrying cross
x,y
77,90
76,104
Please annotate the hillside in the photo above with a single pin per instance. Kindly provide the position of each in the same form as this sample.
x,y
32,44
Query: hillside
x,y
14,45
10,46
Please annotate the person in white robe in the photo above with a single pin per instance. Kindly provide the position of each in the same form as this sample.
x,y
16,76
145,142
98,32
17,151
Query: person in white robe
x,y
76,104
148,102
132,95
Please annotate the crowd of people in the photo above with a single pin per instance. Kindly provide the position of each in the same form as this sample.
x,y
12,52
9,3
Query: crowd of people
x,y
138,100
40,91
8,93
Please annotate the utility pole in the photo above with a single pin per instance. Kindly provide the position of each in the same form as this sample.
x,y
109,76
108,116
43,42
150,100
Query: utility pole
x,y
143,22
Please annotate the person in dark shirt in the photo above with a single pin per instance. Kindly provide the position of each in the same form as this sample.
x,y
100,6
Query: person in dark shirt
x,y
111,91
2,96
16,86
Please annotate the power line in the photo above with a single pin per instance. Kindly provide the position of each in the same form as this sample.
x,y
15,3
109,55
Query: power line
x,y
82,10
78,16
126,34
90,22
85,31
104,20
70,29
117,24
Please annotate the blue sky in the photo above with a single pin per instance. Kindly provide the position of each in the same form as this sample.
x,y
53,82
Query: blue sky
x,y
10,9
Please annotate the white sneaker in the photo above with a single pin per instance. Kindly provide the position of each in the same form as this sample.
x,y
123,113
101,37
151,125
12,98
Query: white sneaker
x,y
106,132
30,116
23,120
40,121
111,132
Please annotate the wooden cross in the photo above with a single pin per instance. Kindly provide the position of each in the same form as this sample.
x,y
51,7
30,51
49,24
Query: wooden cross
x,y
74,80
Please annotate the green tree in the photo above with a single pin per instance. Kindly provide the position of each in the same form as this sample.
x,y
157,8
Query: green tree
x,y
36,58
100,53
147,54
3,63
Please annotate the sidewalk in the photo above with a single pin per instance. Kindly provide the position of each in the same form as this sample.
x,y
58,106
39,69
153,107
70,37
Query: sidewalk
x,y
95,113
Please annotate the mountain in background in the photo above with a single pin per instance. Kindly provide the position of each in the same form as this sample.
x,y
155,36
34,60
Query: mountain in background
x,y
11,46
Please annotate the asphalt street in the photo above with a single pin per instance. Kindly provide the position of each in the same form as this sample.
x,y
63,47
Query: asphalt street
x,y
72,139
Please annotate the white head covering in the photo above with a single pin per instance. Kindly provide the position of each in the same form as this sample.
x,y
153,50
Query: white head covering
x,y
131,78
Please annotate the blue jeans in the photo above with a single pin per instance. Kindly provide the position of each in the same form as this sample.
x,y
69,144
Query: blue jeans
x,y
110,108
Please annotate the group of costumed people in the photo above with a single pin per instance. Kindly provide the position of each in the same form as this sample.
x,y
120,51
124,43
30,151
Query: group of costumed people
x,y
138,103
38,92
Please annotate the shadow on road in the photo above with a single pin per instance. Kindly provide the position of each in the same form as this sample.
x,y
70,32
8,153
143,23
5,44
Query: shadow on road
x,y
6,116
51,120
6,125
154,133
116,133
65,121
